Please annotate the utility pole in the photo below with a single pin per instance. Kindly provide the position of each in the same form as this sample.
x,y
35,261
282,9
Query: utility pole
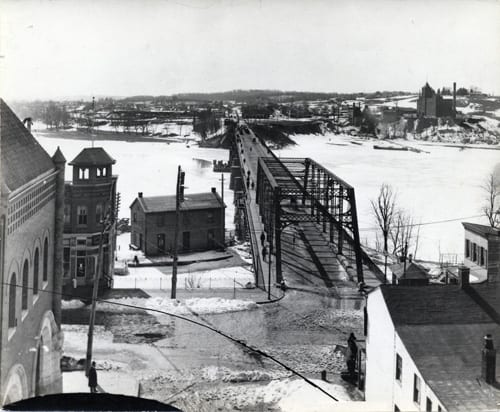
x,y
223,211
179,197
90,341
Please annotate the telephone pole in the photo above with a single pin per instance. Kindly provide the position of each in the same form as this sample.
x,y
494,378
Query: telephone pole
x,y
179,197
223,212
90,341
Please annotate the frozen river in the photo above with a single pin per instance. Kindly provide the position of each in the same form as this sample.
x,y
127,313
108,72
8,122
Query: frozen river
x,y
441,185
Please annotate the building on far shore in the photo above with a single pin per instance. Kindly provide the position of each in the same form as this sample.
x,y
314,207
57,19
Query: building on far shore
x,y
432,104
202,223
89,207
31,231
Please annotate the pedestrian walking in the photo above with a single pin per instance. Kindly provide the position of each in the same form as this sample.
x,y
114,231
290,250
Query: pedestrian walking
x,y
93,379
136,260
264,253
262,238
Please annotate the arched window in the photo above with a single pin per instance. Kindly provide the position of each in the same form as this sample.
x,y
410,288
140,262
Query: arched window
x,y
12,301
36,271
24,300
46,260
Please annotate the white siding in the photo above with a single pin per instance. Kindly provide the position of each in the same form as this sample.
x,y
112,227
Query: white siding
x,y
382,345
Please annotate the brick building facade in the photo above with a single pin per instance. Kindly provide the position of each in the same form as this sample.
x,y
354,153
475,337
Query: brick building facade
x,y
432,104
31,224
88,199
202,223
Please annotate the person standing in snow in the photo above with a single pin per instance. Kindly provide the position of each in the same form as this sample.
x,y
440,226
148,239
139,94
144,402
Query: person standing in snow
x,y
264,253
93,379
262,238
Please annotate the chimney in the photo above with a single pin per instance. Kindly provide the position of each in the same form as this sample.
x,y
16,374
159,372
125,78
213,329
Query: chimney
x,y
454,98
140,194
489,359
463,276
213,190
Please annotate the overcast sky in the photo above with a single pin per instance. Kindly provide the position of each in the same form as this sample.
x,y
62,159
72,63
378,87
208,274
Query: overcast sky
x,y
53,48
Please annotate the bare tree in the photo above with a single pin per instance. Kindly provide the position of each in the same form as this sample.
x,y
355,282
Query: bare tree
x,y
404,234
384,211
491,208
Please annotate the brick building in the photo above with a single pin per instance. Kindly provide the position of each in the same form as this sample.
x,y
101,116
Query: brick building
x,y
432,104
201,223
88,199
31,227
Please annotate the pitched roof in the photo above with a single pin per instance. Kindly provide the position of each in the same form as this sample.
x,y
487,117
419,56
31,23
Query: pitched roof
x,y
93,156
413,271
481,230
155,204
442,328
23,158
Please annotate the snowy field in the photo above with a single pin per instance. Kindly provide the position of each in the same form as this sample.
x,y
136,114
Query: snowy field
x,y
442,185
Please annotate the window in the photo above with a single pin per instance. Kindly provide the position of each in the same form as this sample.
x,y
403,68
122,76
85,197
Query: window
x,y
66,260
399,368
428,405
36,271
467,248
82,215
98,213
83,173
45,260
134,217
67,214
416,389
12,301
160,220
482,257
24,301
80,267
210,217
102,172
474,252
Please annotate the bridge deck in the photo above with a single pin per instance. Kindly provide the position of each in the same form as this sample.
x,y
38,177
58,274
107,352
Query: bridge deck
x,y
308,259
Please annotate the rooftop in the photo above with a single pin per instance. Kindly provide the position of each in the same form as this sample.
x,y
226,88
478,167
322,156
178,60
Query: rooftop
x,y
413,271
155,204
443,328
93,156
23,158
481,230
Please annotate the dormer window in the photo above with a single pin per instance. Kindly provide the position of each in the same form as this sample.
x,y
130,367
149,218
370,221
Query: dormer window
x,y
83,173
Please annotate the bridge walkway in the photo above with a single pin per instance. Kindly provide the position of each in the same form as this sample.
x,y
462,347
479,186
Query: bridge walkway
x,y
308,258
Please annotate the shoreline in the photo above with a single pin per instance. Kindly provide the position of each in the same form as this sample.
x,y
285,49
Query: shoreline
x,y
104,135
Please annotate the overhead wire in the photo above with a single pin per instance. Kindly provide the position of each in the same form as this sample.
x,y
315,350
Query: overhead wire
x,y
203,325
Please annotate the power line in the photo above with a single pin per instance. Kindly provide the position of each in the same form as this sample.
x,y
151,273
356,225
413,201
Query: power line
x,y
426,223
235,340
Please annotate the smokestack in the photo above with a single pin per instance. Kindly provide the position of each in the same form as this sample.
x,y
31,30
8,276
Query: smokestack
x,y
463,276
489,360
454,98
140,194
